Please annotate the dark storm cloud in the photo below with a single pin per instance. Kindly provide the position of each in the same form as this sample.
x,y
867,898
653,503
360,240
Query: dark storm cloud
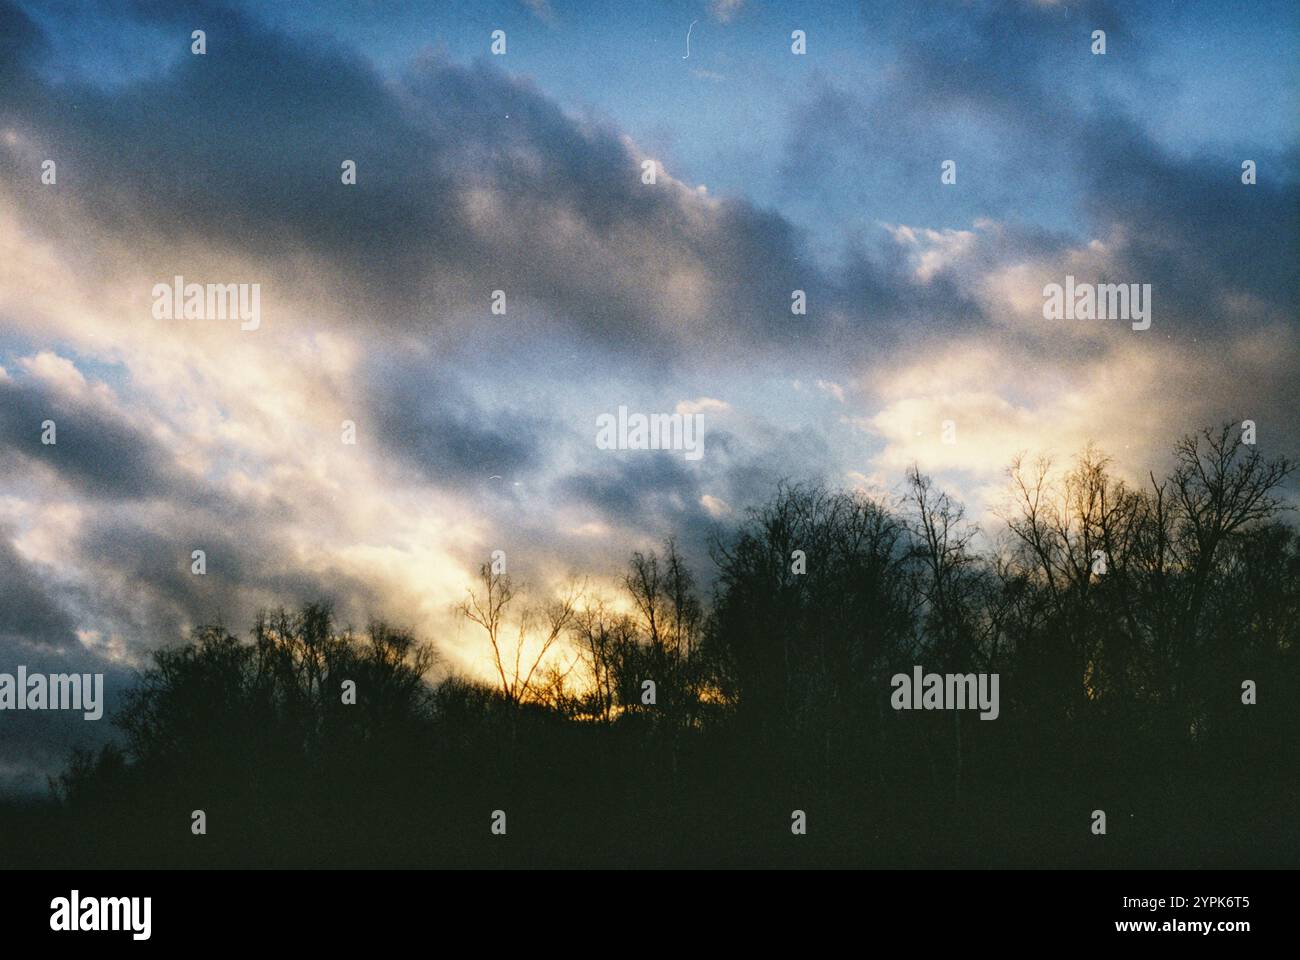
x,y
649,496
784,456
661,491
468,181
636,488
28,609
430,422
98,451
248,567
1193,227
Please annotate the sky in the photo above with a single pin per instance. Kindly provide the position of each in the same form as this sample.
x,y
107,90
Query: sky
x,y
523,172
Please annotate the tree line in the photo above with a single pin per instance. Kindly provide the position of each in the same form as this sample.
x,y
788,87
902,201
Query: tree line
x,y
1144,635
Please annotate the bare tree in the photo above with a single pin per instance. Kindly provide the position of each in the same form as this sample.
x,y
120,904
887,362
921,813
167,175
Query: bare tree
x,y
948,589
670,616
516,673
604,643
1221,488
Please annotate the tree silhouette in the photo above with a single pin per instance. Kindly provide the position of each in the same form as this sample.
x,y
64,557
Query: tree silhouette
x,y
1126,623
489,609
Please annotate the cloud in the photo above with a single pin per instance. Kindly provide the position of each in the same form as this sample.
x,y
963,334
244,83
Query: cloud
x,y
717,508
38,632
1134,402
702,405
724,11
453,200
541,9
834,389
640,490
98,447
440,430
28,608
